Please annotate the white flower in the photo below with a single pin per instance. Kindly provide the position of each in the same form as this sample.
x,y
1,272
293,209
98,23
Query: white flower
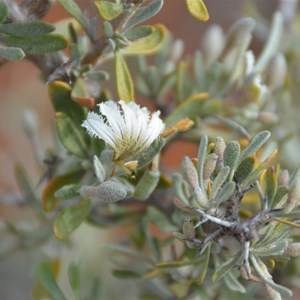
x,y
126,127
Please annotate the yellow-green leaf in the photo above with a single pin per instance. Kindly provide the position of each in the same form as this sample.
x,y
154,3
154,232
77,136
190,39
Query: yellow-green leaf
x,y
108,10
197,9
123,79
70,218
149,44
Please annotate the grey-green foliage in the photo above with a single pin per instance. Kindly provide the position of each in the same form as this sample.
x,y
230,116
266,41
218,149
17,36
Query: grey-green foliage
x,y
231,190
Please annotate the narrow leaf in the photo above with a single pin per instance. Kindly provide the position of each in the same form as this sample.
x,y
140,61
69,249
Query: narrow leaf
x,y
149,44
39,44
123,79
27,29
12,53
231,154
219,180
281,289
255,144
74,279
201,159
126,274
225,193
146,185
158,218
145,13
71,135
70,218
197,9
233,284
139,32
47,280
72,8
225,267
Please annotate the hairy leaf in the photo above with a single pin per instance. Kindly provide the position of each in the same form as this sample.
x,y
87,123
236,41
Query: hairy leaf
x,y
70,218
12,53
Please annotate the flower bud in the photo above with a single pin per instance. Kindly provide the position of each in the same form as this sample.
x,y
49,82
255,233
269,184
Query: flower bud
x,y
219,148
188,231
209,165
108,191
191,176
177,50
276,72
190,173
293,196
292,250
267,117
283,178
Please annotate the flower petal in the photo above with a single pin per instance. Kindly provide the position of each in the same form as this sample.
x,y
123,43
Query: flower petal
x,y
96,127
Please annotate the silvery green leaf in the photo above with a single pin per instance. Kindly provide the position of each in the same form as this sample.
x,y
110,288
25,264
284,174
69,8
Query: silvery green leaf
x,y
138,32
179,189
255,144
146,184
3,12
74,279
237,34
226,266
27,29
39,44
68,191
145,13
12,53
161,220
294,177
99,169
72,8
270,248
245,168
225,193
272,44
48,282
147,156
281,289
201,159
199,71
231,155
233,284
219,180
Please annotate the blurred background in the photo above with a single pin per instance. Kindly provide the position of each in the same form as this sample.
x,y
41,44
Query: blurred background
x,y
21,89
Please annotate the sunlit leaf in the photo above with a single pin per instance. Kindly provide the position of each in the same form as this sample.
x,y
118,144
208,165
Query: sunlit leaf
x,y
108,10
149,44
123,79
197,9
